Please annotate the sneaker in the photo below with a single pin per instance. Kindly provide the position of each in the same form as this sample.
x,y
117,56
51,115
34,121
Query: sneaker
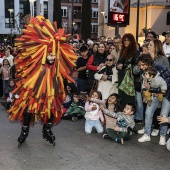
x,y
74,118
119,140
106,136
144,138
141,132
155,132
3,97
162,140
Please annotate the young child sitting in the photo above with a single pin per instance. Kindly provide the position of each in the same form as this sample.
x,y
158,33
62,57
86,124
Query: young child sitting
x,y
125,123
76,110
93,114
152,79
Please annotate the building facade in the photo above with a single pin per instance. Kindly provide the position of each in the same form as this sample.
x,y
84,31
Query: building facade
x,y
11,22
153,15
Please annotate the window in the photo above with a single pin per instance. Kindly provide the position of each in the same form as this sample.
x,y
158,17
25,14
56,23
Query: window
x,y
168,18
64,11
94,12
46,9
94,1
9,16
94,27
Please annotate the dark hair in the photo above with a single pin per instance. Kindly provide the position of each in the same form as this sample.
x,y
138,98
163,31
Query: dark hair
x,y
133,106
145,58
83,48
151,71
128,52
117,37
118,107
153,33
6,60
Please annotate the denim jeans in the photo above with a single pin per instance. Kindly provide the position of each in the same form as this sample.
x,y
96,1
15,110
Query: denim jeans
x,y
82,84
5,87
150,110
164,111
139,107
89,124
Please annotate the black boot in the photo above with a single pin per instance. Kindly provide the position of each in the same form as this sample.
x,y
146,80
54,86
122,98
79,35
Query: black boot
x,y
48,134
23,136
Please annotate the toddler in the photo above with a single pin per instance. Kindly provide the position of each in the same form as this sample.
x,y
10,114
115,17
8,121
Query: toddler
x,y
151,79
93,114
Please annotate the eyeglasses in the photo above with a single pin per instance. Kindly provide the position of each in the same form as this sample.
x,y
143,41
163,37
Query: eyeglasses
x,y
109,59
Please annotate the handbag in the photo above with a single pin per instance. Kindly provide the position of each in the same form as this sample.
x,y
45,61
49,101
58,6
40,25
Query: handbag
x,y
127,85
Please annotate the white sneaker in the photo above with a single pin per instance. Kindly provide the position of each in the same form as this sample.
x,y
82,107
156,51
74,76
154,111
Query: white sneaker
x,y
162,140
144,138
141,132
155,132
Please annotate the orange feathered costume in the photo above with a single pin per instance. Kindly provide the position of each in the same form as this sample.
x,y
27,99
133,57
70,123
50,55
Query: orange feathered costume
x,y
39,86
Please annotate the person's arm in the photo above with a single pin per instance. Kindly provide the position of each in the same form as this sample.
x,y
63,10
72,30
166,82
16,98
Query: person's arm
x,y
89,64
109,113
98,101
79,68
101,116
163,85
87,107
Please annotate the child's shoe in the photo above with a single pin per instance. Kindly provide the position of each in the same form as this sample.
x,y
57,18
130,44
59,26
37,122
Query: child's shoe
x,y
106,136
119,140
74,118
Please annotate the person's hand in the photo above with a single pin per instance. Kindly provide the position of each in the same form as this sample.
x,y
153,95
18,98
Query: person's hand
x,y
162,119
102,64
102,108
116,128
120,66
104,77
147,86
155,94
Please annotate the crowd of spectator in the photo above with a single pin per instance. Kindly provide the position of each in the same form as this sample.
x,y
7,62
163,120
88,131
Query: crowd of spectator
x,y
118,83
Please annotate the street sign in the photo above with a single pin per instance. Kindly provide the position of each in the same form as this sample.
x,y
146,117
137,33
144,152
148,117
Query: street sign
x,y
118,12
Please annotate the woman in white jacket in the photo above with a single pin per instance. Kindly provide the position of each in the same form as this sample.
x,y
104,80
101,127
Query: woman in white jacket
x,y
107,78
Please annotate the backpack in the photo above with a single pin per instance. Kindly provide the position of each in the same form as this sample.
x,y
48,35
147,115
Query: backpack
x,y
165,74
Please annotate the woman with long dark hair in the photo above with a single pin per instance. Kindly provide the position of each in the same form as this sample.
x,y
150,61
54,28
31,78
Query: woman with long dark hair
x,y
127,60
